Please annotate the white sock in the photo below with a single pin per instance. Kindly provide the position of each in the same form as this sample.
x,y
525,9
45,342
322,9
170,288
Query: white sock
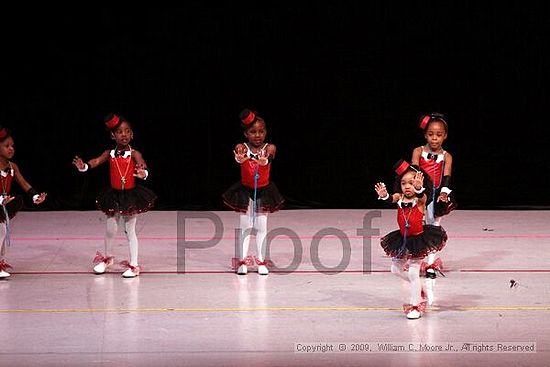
x,y
245,226
414,279
397,268
261,243
130,231
110,234
431,258
3,247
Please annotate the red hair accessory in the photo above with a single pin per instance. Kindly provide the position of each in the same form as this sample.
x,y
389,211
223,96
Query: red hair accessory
x,y
112,122
401,167
249,119
3,133
424,120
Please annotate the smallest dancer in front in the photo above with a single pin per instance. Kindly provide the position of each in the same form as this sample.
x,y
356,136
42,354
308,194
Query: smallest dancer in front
x,y
408,245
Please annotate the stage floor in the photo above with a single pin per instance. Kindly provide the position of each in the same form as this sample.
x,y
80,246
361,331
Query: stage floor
x,y
330,290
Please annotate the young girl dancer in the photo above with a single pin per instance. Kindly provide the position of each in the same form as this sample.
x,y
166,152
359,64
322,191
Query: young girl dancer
x,y
437,163
10,204
408,245
254,196
124,199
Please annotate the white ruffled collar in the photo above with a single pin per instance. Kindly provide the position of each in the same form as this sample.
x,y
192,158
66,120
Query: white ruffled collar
x,y
407,204
126,154
8,171
429,156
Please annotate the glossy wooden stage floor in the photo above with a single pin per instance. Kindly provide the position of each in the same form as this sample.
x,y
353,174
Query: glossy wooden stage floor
x,y
330,300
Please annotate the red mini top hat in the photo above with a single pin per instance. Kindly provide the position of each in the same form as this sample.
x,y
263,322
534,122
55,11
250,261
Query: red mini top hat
x,y
112,121
401,167
3,133
247,117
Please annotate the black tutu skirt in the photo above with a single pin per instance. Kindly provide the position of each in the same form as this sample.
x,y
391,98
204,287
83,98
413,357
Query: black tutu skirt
x,y
12,207
432,239
125,202
268,198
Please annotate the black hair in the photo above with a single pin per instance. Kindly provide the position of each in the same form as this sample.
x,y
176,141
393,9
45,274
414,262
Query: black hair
x,y
6,131
428,185
244,114
121,119
437,117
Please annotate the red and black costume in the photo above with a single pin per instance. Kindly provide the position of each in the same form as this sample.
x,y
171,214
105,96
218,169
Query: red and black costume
x,y
124,196
6,179
434,166
255,183
413,239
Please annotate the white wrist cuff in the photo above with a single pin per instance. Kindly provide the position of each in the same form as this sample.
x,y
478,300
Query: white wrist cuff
x,y
146,174
446,190
35,198
419,191
385,197
85,168
1,199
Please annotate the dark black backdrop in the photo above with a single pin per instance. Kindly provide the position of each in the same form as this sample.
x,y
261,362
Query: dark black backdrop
x,y
340,86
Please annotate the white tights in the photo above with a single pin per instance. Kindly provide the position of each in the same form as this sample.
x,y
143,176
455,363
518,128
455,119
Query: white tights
x,y
412,276
130,232
247,227
3,233
435,221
